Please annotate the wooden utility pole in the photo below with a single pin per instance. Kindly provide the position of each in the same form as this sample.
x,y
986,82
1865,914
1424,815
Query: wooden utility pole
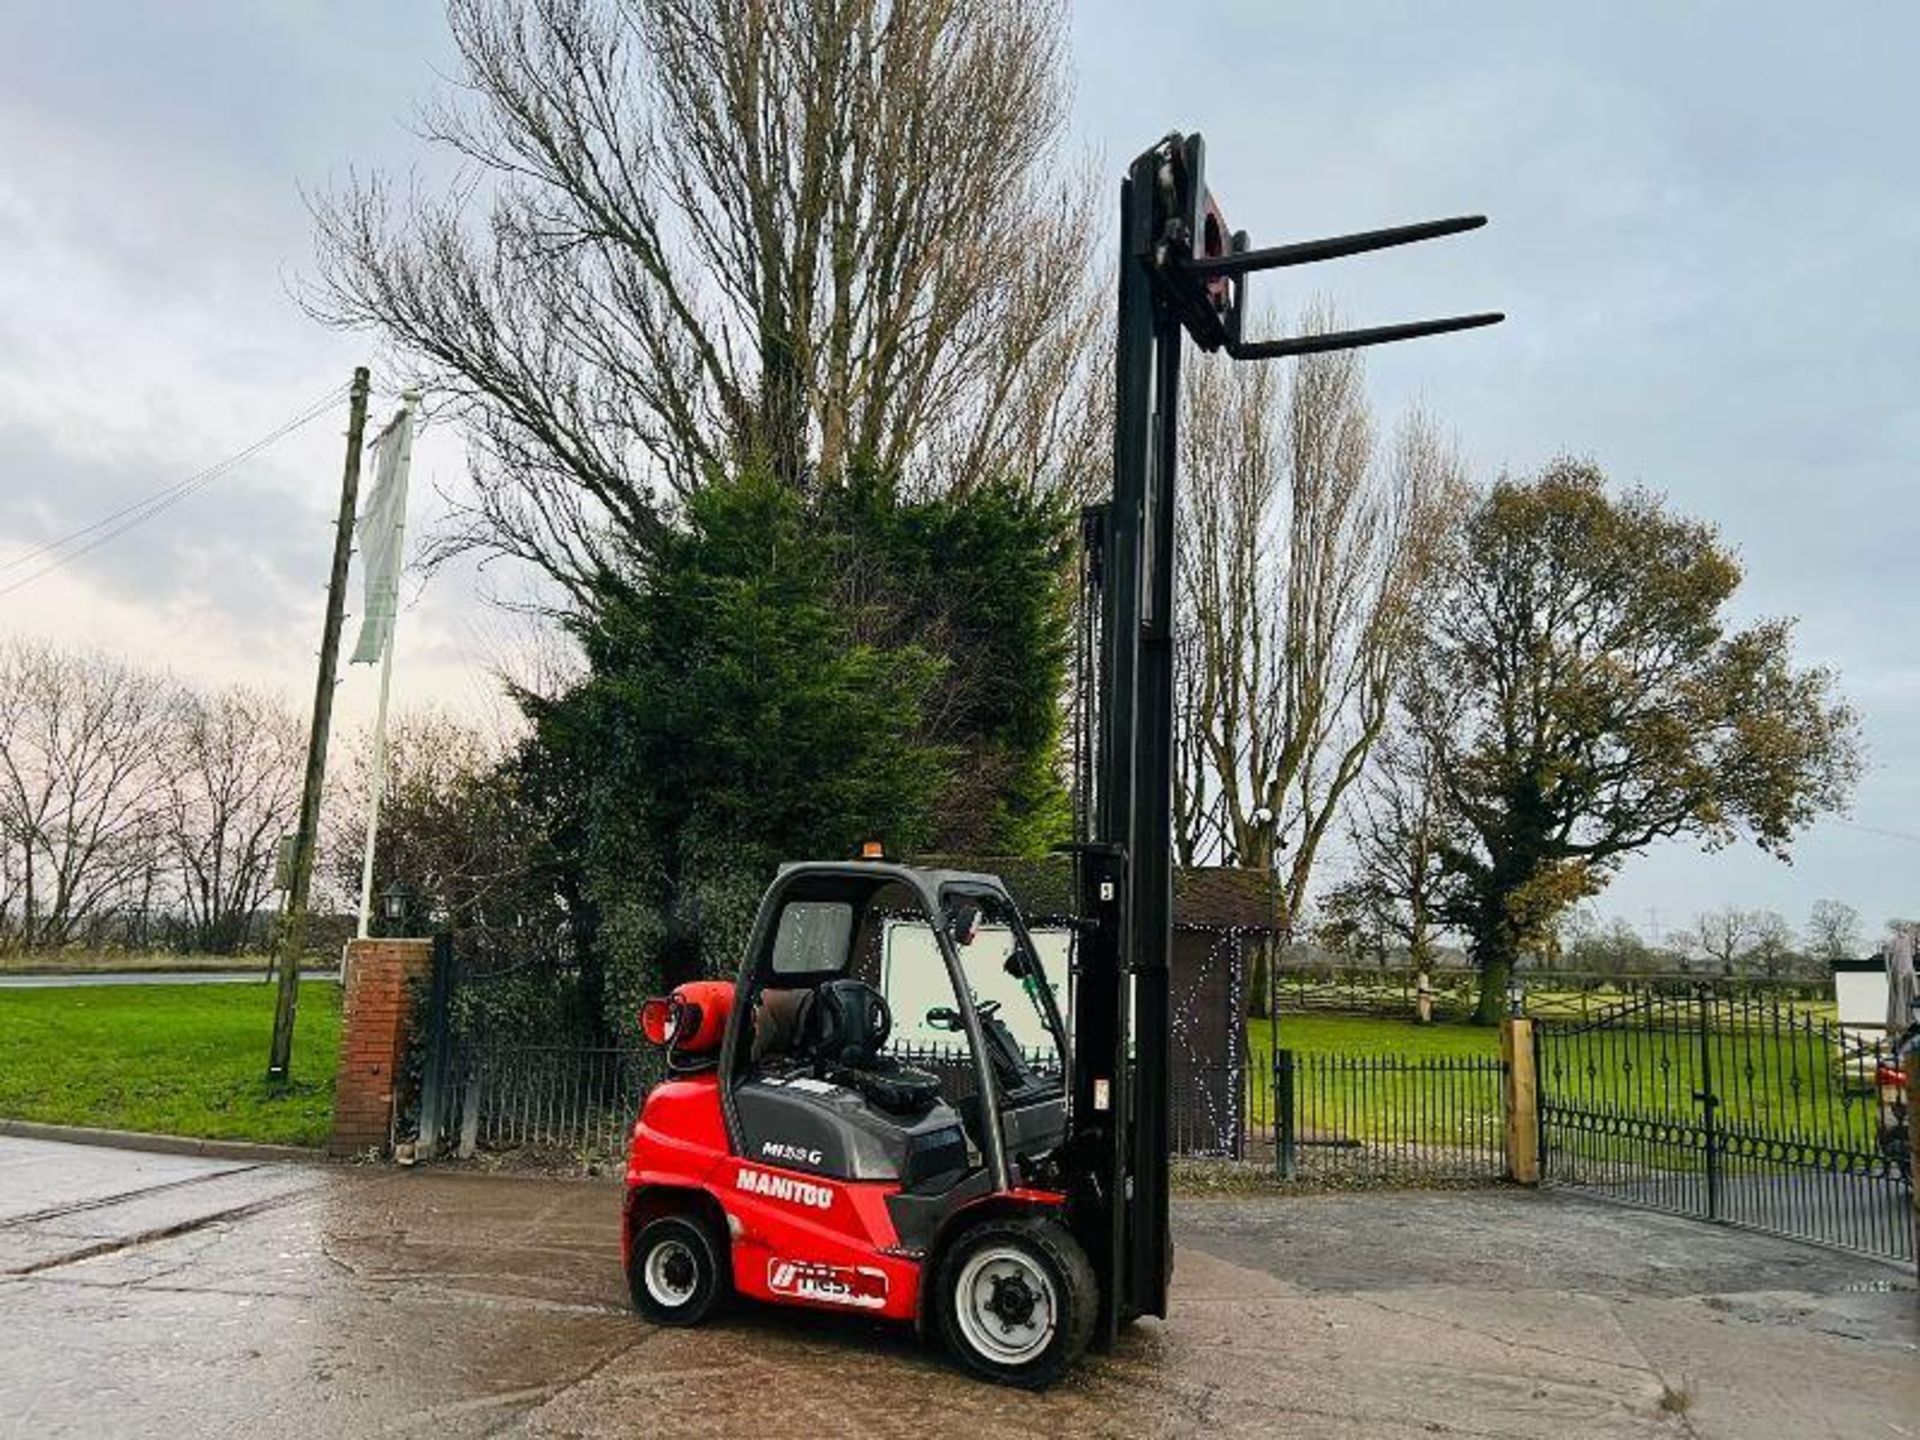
x,y
293,929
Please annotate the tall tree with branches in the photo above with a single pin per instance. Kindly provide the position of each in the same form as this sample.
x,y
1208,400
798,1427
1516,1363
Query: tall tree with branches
x,y
1304,547
1395,841
820,236
1833,931
1597,700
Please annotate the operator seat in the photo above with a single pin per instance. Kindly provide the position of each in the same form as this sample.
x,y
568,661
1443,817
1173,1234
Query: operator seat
x,y
843,1025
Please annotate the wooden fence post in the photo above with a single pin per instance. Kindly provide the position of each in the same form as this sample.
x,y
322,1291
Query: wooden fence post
x,y
1913,1140
1521,1095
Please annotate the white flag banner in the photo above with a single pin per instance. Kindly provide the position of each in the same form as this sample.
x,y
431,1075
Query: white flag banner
x,y
381,531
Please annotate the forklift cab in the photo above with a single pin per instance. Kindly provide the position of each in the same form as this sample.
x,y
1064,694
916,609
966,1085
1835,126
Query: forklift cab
x,y
892,1024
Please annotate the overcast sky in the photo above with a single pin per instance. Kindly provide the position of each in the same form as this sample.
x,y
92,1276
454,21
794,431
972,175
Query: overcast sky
x,y
1705,230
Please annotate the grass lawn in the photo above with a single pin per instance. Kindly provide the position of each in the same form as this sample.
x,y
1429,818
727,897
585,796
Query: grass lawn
x,y
1371,1035
173,1059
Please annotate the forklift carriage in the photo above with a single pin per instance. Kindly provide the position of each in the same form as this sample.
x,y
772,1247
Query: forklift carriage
x,y
1017,1202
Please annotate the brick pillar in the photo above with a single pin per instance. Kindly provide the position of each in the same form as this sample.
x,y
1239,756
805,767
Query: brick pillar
x,y
373,1040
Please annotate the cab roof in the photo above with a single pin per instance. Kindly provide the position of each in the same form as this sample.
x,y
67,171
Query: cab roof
x,y
892,869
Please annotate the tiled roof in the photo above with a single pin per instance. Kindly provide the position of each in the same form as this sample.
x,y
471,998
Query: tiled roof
x,y
1204,897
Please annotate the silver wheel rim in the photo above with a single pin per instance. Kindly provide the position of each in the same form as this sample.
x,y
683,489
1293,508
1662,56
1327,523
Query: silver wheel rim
x,y
988,1329
666,1263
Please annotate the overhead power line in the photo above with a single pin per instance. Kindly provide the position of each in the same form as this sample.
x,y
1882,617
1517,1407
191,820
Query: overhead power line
x,y
67,548
1880,830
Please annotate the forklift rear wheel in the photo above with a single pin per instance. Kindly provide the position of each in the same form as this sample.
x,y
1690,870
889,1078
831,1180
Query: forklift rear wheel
x,y
675,1272
1017,1300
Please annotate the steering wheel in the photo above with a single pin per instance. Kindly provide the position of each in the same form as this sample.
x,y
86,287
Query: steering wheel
x,y
945,1017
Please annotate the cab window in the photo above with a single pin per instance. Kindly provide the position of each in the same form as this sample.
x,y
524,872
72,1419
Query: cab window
x,y
1002,972
812,937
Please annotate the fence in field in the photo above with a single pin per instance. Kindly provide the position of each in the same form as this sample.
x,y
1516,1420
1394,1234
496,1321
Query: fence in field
x,y
1394,992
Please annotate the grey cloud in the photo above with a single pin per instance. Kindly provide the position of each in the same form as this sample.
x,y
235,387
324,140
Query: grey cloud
x,y
236,546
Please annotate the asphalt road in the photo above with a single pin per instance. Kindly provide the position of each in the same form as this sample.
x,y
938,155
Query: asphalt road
x,y
155,1295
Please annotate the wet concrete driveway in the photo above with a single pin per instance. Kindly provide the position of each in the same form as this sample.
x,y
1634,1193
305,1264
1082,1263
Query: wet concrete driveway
x,y
156,1295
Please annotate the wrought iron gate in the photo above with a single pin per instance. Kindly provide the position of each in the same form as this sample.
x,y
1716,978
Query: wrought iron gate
x,y
1731,1108
513,1058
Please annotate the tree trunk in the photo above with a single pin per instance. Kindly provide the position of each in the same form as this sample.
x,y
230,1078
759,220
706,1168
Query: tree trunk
x,y
1496,949
1496,954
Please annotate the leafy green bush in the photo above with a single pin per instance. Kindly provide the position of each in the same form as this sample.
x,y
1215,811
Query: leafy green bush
x,y
788,675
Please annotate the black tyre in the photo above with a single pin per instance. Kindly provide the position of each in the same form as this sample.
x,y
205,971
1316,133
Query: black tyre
x,y
1016,1300
675,1271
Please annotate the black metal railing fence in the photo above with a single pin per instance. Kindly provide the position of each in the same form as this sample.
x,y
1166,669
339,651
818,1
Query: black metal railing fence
x,y
1303,1116
1377,1118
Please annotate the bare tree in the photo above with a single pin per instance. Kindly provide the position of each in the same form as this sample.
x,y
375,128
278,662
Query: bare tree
x,y
1394,834
1833,931
826,235
1719,937
1773,941
81,785
1304,551
233,785
1588,947
1732,940
455,829
1728,938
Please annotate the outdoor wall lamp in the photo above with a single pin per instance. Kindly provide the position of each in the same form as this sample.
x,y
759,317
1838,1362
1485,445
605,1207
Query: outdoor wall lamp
x,y
396,901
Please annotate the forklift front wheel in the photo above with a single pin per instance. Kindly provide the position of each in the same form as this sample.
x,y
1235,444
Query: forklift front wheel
x,y
1016,1300
674,1271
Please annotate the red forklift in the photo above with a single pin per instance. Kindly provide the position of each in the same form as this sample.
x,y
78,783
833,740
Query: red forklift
x,y
1006,1189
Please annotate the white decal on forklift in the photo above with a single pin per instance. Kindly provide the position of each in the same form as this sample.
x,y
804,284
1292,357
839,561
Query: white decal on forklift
x,y
780,1150
855,1285
813,1086
784,1187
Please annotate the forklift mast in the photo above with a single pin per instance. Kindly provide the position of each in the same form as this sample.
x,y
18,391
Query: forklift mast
x,y
1182,274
